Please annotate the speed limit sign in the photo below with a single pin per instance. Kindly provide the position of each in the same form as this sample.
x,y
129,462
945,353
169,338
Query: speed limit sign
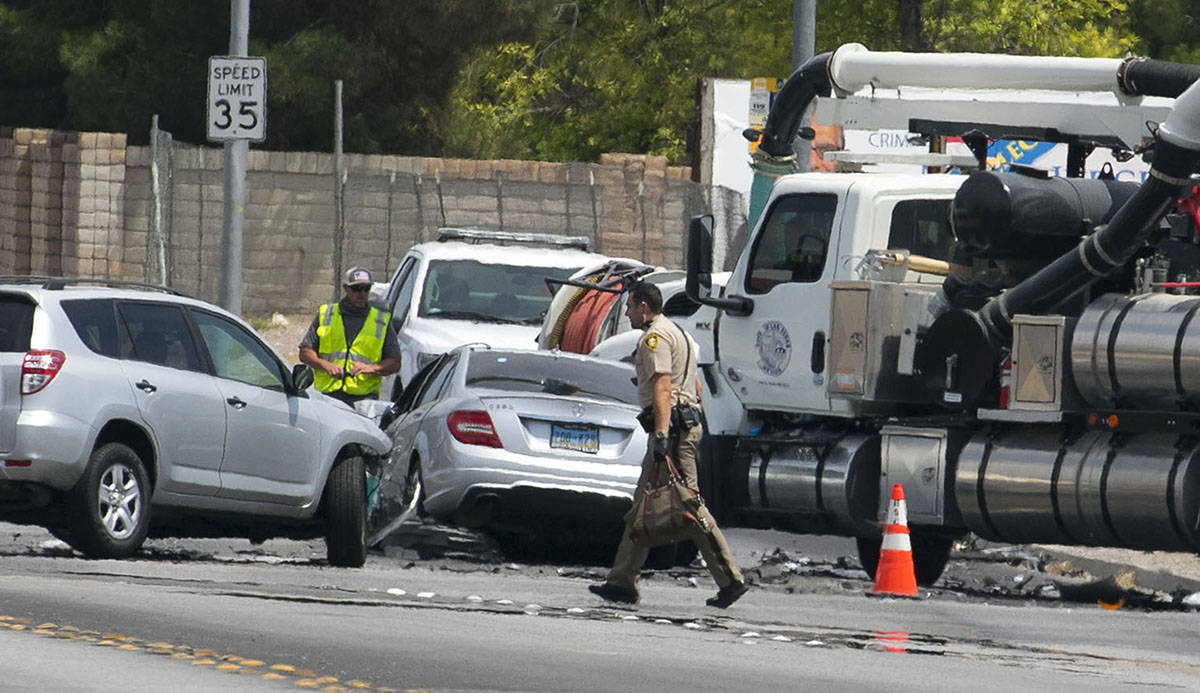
x,y
237,98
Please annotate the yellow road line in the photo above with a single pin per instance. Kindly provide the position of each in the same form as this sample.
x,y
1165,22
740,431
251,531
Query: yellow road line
x,y
233,664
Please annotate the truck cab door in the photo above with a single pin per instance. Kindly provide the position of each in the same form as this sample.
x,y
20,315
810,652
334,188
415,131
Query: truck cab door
x,y
775,356
397,302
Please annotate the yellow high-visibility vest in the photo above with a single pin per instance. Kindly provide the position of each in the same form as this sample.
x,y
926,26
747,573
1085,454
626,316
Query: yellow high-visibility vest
x,y
367,348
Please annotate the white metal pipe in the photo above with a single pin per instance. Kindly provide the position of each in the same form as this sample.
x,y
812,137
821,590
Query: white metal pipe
x,y
1182,126
853,67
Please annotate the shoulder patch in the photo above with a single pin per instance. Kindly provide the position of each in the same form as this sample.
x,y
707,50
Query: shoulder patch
x,y
651,341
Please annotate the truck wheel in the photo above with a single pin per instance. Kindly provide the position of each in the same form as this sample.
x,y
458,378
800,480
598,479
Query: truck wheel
x,y
346,513
868,553
110,505
930,553
709,477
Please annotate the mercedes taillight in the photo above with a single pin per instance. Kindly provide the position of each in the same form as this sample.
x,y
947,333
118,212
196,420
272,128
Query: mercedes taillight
x,y
473,427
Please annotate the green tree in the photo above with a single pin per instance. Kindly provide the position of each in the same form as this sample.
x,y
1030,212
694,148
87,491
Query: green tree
x,y
112,65
31,74
1167,29
609,75
543,79
619,75
138,59
1088,28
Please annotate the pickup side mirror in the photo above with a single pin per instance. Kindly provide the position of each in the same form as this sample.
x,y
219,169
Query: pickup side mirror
x,y
699,257
302,378
377,298
699,270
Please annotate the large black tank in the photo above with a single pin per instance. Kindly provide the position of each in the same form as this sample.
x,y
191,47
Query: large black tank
x,y
996,216
1016,216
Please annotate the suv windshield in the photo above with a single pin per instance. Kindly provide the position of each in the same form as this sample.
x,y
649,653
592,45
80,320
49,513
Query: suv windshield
x,y
471,290
541,372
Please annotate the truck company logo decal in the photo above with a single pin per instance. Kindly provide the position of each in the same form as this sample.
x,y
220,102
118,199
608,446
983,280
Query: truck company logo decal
x,y
774,348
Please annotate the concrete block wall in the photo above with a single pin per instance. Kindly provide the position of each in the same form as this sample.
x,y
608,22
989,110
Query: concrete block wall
x,y
81,204
15,200
62,198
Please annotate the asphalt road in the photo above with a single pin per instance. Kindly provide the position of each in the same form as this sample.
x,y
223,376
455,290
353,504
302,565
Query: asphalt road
x,y
227,615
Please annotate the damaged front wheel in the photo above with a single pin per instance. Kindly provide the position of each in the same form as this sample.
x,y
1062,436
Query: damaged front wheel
x,y
346,513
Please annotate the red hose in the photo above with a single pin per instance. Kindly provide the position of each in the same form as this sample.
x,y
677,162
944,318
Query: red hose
x,y
579,336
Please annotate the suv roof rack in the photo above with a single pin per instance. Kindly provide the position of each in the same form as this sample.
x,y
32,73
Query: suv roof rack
x,y
57,283
452,233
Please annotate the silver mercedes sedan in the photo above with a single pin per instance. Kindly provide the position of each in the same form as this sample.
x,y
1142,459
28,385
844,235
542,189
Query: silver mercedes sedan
x,y
538,448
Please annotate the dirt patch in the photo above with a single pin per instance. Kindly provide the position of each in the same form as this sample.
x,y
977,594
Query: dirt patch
x,y
284,332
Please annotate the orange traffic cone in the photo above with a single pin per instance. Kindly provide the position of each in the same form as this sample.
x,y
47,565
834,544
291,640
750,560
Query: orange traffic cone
x,y
895,573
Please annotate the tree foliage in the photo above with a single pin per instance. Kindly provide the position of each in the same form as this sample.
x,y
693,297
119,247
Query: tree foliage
x,y
543,79
112,65
1087,28
1167,29
610,75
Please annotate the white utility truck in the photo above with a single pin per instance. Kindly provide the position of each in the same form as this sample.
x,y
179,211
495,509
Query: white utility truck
x,y
1018,351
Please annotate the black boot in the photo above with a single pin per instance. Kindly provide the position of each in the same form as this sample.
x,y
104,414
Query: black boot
x,y
615,593
728,594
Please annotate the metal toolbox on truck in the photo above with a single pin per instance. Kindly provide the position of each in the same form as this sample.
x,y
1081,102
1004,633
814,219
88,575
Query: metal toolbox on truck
x,y
873,336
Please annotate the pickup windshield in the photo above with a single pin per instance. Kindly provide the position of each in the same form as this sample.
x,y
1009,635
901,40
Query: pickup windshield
x,y
485,292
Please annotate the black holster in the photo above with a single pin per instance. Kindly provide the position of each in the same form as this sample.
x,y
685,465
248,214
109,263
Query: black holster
x,y
646,419
683,417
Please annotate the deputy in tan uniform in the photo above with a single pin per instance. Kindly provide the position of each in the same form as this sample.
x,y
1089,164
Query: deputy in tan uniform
x,y
669,393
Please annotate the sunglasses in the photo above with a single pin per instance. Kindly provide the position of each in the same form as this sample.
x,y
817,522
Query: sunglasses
x,y
359,288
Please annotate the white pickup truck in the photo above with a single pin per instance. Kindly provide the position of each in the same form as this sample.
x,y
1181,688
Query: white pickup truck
x,y
473,286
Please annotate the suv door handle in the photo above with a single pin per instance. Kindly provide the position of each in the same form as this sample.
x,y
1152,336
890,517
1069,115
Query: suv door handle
x,y
145,386
236,402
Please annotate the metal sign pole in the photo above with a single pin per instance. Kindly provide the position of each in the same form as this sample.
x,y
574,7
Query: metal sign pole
x,y
234,184
804,25
339,190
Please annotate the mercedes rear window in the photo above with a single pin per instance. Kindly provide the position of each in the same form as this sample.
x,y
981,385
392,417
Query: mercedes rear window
x,y
541,372
16,322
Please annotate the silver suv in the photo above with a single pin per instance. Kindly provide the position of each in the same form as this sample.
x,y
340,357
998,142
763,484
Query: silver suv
x,y
129,411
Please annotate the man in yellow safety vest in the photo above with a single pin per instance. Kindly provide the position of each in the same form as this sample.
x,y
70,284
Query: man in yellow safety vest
x,y
350,345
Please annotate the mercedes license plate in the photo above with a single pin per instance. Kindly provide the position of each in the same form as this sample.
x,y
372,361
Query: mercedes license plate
x,y
578,438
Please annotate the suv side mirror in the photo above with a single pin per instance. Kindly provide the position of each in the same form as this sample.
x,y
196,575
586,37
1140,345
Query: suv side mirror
x,y
699,270
302,378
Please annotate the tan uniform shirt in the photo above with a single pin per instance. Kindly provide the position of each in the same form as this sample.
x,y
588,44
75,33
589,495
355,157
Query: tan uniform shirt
x,y
666,348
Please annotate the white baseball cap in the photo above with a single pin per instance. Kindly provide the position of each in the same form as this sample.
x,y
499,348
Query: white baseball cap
x,y
357,275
